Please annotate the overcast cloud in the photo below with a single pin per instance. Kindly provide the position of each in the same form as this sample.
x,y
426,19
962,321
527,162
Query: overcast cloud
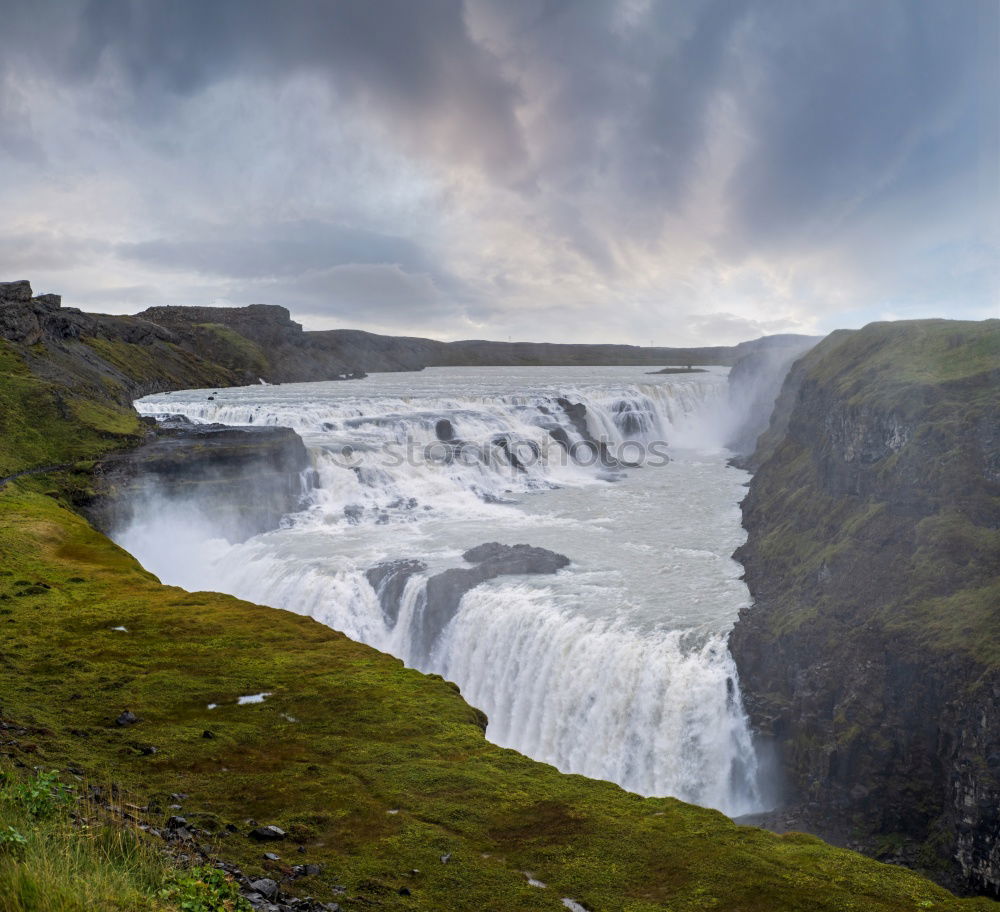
x,y
559,170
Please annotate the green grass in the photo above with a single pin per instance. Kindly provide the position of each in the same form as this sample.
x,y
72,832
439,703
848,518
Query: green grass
x,y
61,851
43,422
885,357
68,856
229,348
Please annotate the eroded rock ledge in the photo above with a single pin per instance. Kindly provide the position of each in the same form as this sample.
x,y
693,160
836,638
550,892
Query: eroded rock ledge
x,y
244,479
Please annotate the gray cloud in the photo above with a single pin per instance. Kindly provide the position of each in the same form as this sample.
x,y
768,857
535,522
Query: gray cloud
x,y
689,168
414,62
278,249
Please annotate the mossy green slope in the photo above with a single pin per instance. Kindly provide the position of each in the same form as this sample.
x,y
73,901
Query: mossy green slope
x,y
66,402
873,649
369,737
43,423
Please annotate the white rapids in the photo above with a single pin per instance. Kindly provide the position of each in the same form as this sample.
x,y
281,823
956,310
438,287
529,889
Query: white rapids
x,y
615,667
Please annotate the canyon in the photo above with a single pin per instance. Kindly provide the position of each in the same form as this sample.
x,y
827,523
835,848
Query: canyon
x,y
867,661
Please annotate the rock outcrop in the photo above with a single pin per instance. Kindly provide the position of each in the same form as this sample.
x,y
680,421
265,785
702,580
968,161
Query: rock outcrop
x,y
871,654
443,592
242,480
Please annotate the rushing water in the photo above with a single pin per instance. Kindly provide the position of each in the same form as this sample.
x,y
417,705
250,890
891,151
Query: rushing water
x,y
616,667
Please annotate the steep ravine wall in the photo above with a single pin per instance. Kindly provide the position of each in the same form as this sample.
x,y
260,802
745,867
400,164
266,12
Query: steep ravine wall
x,y
871,653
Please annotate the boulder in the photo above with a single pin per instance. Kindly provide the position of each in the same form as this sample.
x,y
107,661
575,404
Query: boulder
x,y
269,833
389,580
444,591
15,292
265,886
510,559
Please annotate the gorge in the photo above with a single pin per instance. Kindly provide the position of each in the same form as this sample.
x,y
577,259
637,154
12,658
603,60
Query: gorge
x,y
352,545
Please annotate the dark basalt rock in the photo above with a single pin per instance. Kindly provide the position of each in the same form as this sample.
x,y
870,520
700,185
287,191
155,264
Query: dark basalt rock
x,y
242,479
389,579
871,548
441,597
265,886
577,414
269,833
510,559
445,431
444,591
510,447
15,292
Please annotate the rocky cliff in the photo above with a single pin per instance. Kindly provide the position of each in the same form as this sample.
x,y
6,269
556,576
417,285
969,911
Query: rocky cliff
x,y
71,377
240,480
871,654
755,381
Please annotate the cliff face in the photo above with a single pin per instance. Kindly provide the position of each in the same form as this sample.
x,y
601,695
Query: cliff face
x,y
754,383
258,342
240,480
70,378
871,654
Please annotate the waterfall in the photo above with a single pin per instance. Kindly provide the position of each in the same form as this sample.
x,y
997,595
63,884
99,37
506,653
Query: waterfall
x,y
565,671
594,698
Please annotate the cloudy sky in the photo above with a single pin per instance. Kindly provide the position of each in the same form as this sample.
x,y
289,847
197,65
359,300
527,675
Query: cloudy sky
x,y
563,170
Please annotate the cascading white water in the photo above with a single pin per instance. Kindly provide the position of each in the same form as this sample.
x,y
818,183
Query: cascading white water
x,y
616,667
592,697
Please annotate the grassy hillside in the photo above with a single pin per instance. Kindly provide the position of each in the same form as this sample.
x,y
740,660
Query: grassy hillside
x,y
42,422
883,477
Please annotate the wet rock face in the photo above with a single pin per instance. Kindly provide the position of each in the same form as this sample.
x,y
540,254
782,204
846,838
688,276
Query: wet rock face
x,y
754,384
243,480
443,592
389,580
498,559
871,548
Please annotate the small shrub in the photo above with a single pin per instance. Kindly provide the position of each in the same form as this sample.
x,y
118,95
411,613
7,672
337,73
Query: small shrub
x,y
12,842
41,796
205,889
